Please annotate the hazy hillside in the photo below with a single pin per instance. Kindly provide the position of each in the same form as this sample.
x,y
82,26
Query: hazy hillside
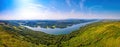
x,y
100,34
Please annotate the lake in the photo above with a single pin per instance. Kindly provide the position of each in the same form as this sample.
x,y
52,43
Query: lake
x,y
57,31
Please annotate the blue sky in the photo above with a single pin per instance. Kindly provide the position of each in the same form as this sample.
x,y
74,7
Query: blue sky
x,y
59,9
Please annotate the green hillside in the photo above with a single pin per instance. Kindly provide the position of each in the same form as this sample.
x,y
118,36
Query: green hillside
x,y
99,34
10,39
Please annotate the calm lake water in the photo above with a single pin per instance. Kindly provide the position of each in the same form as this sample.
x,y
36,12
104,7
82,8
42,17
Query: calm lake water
x,y
57,31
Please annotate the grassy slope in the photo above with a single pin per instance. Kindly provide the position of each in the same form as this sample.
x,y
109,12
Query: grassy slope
x,y
101,34
10,39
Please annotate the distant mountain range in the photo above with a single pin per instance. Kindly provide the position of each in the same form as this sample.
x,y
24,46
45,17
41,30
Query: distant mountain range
x,y
46,23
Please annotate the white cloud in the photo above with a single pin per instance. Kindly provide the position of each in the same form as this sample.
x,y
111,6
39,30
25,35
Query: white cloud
x,y
68,3
55,15
82,4
93,8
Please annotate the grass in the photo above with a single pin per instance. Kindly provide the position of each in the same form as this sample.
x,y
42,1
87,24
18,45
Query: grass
x,y
105,34
11,40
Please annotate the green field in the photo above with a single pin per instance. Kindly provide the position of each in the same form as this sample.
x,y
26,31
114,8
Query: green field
x,y
100,34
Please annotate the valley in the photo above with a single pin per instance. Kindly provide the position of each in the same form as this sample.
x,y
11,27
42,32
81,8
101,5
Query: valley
x,y
105,33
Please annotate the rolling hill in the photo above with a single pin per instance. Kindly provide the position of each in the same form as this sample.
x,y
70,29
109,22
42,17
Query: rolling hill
x,y
100,34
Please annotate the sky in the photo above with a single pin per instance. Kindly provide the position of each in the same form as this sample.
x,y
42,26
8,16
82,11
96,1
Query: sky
x,y
59,9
